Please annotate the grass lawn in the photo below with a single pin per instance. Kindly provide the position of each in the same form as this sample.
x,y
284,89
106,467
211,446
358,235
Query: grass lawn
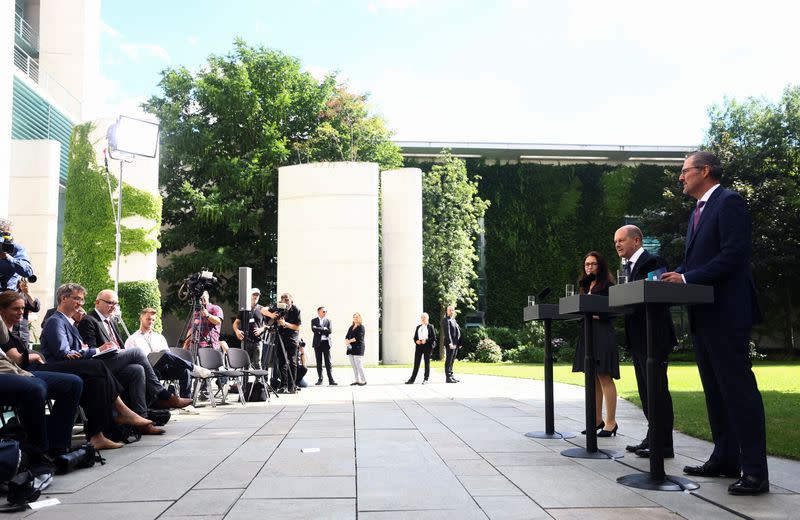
x,y
779,383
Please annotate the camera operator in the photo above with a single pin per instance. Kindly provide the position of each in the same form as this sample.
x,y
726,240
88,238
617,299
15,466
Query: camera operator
x,y
14,261
208,319
251,329
288,320
32,304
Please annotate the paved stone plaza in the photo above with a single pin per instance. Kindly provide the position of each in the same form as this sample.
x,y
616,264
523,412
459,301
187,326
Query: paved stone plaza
x,y
394,451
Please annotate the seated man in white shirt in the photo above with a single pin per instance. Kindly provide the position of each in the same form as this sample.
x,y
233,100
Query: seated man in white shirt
x,y
169,366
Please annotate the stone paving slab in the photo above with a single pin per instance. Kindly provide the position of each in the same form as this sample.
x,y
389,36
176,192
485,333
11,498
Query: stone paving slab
x,y
395,451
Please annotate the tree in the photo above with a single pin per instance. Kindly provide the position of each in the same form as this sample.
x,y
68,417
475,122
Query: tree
x,y
758,142
226,129
452,211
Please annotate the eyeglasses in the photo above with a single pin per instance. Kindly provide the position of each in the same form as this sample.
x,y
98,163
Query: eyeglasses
x,y
112,303
683,171
590,264
78,299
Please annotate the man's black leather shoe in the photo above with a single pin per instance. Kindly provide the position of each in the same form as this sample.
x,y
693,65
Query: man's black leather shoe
x,y
319,382
749,485
451,380
710,469
645,453
409,382
636,447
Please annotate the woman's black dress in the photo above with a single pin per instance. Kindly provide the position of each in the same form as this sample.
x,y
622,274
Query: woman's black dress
x,y
606,352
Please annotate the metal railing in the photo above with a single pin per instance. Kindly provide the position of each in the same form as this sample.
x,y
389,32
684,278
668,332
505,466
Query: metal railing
x,y
25,63
59,94
25,31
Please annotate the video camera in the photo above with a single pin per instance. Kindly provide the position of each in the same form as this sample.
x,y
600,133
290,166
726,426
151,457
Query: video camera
x,y
7,243
196,284
280,309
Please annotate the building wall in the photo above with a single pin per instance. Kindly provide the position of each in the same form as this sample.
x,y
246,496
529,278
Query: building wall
x,y
328,247
6,86
33,209
401,233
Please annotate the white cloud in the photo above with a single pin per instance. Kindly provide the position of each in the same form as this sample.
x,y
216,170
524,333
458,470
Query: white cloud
x,y
192,40
317,72
135,51
108,30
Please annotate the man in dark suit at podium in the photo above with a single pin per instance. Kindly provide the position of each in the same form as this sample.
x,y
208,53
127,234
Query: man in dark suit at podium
x,y
639,262
717,253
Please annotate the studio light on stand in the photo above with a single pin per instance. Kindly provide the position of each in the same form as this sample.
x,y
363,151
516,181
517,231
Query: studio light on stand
x,y
128,138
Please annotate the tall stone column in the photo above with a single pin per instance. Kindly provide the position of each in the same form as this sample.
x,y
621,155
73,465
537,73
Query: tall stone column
x,y
328,249
401,197
6,97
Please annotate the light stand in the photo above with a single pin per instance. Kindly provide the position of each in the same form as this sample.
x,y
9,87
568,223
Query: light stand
x,y
128,138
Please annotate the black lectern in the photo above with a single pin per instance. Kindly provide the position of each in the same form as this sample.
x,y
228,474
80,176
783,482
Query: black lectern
x,y
546,313
588,305
654,294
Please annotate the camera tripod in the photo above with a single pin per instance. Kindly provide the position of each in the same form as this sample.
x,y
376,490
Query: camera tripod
x,y
271,356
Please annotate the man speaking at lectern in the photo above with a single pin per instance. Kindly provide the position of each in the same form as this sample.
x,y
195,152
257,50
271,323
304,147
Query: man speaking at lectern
x,y
628,243
717,253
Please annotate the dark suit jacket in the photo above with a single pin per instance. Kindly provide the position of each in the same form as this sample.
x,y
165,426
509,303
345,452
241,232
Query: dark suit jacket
x,y
717,253
431,336
60,337
635,324
94,333
319,331
357,347
451,332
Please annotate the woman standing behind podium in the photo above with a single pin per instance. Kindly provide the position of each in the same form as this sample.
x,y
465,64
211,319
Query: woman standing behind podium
x,y
596,280
355,349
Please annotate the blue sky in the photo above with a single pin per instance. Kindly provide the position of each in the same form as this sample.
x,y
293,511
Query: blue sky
x,y
626,72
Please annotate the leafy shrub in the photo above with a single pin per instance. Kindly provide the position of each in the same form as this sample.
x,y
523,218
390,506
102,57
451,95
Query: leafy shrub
x,y
504,336
525,354
563,352
470,341
487,351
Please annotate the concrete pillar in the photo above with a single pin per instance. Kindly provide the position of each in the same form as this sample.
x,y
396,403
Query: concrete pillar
x,y
401,210
34,211
6,96
328,249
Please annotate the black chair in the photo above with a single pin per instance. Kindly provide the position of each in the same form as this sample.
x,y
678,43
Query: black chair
x,y
212,360
239,359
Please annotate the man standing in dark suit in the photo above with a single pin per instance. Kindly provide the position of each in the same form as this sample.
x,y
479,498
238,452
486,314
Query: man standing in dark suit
x,y
321,326
425,340
639,262
717,253
451,335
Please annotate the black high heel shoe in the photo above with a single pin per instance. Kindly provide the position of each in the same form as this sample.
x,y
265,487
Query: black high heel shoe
x,y
599,427
608,433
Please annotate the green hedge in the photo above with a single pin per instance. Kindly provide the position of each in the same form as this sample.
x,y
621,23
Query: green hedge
x,y
135,296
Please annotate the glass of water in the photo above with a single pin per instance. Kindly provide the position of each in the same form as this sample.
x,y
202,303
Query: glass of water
x,y
622,277
569,290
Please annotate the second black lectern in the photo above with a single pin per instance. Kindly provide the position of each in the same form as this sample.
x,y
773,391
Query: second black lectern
x,y
588,305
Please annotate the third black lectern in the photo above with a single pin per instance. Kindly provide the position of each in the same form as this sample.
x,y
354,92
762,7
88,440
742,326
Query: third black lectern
x,y
654,294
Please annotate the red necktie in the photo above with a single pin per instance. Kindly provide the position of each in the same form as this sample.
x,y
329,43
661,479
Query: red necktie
x,y
697,211
111,333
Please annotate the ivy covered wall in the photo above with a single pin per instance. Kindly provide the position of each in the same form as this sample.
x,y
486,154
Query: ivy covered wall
x,y
89,230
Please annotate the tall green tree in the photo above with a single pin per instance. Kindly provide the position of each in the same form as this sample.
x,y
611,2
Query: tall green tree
x,y
226,129
452,211
758,142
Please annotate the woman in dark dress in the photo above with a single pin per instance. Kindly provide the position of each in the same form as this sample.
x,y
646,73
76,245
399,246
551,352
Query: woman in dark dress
x,y
596,280
355,349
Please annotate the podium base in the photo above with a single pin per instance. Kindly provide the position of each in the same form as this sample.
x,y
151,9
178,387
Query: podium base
x,y
583,453
645,481
556,435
